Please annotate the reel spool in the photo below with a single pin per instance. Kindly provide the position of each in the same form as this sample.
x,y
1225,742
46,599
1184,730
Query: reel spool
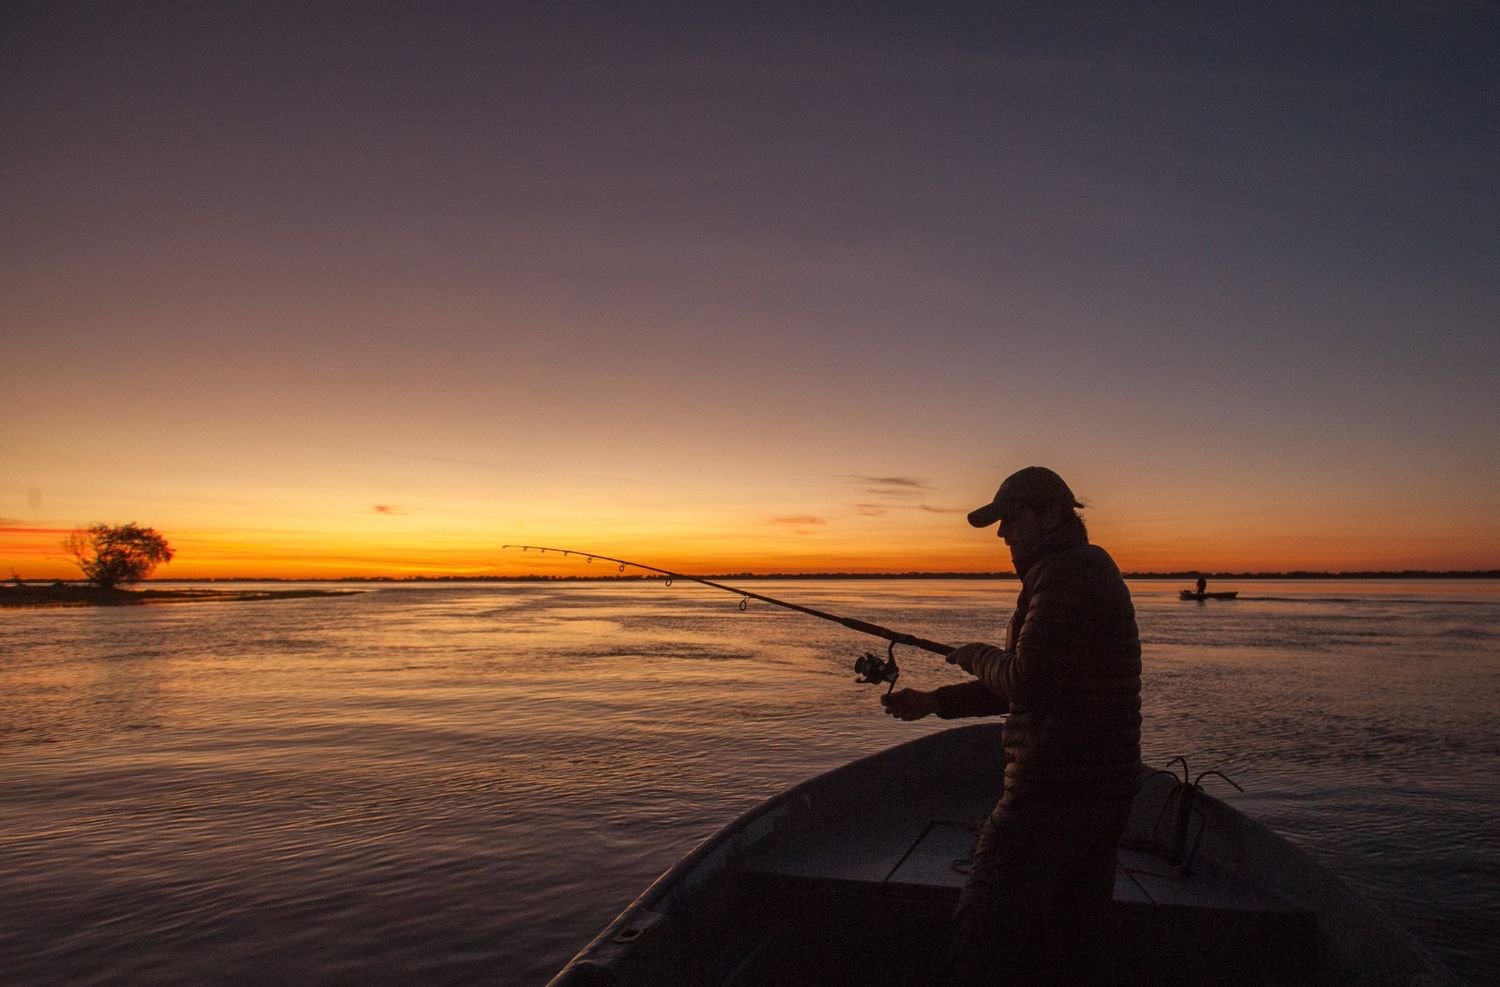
x,y
873,669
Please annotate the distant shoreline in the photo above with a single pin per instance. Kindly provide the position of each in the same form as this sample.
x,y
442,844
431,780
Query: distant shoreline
x,y
1188,575
61,594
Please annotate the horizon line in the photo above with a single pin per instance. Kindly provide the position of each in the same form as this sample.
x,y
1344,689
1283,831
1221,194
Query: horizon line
x,y
910,574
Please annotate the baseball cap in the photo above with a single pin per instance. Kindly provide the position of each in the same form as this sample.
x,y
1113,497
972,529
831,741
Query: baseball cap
x,y
1034,486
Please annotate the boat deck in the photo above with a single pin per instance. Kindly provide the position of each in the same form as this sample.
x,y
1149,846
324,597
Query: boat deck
x,y
1205,924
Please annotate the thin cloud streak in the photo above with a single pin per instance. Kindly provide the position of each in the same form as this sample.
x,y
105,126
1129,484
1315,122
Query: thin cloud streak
x,y
798,521
891,486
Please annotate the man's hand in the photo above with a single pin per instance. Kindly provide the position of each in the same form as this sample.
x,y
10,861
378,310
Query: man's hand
x,y
909,704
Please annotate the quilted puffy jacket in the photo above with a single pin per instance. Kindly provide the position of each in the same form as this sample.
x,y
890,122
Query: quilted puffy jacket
x,y
1069,675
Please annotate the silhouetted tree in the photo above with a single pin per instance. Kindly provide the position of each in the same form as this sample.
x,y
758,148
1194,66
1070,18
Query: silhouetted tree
x,y
110,554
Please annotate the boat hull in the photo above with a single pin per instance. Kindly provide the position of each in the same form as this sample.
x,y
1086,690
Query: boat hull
x,y
852,877
1188,594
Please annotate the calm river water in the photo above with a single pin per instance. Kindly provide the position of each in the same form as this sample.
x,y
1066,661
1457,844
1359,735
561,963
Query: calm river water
x,y
450,783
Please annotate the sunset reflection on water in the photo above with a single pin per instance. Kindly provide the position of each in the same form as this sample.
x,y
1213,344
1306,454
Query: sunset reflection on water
x,y
453,782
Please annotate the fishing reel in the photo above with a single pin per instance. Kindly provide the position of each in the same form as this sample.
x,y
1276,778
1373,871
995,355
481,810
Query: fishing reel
x,y
873,669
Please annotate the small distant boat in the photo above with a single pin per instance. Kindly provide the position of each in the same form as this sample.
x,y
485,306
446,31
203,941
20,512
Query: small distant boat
x,y
851,878
1188,594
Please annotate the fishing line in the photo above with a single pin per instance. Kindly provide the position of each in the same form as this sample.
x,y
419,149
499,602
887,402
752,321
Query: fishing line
x,y
870,667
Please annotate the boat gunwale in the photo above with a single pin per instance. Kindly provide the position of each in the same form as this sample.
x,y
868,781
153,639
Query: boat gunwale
x,y
665,886
654,904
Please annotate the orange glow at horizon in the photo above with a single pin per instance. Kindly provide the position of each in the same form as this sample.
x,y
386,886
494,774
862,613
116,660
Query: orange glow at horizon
x,y
947,546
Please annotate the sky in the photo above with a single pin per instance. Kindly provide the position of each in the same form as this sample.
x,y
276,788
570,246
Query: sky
x,y
343,289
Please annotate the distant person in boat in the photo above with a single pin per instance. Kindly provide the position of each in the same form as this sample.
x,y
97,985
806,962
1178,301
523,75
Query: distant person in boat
x,y
1042,880
1202,585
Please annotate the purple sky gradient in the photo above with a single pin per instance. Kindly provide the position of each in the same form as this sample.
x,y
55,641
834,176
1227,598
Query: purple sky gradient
x,y
1229,263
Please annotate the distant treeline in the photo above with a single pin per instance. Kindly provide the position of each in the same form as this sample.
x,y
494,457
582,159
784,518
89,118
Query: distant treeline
x,y
1301,574
1187,574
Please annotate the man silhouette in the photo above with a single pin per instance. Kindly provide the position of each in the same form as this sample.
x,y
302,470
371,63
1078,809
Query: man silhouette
x,y
1037,900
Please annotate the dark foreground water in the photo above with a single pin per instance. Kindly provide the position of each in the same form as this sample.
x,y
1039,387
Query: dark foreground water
x,y
450,784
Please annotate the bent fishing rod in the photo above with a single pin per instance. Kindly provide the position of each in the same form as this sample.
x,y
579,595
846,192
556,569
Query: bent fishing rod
x,y
870,668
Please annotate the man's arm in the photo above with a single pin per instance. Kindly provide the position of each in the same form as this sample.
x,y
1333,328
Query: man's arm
x,y
1052,636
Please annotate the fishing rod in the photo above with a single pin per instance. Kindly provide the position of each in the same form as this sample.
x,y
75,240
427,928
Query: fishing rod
x,y
871,668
